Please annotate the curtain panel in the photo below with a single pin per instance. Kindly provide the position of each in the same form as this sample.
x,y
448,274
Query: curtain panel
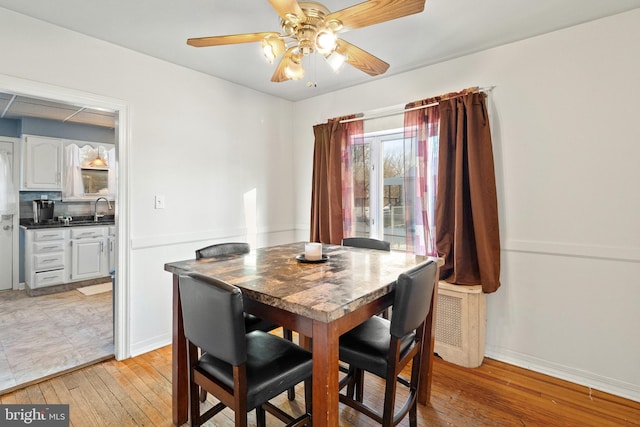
x,y
420,166
467,233
332,188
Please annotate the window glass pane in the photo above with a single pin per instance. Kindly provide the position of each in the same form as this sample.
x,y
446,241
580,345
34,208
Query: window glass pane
x,y
393,204
361,161
95,181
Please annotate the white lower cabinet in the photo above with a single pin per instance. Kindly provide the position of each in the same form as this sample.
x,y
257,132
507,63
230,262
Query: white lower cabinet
x,y
44,259
89,256
54,256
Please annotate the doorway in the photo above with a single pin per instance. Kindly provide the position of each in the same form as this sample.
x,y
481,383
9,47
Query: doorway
x,y
8,214
64,95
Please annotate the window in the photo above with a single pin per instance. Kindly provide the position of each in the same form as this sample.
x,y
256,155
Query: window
x,y
386,167
89,171
378,187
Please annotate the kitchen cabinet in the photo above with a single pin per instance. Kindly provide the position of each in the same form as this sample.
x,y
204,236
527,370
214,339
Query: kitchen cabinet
x,y
45,254
112,248
42,165
89,256
53,256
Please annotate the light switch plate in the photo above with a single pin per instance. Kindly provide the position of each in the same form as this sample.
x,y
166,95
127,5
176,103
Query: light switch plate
x,y
159,202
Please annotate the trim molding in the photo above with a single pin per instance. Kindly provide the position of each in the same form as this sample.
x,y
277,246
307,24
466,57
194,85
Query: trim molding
x,y
613,253
577,376
151,344
200,236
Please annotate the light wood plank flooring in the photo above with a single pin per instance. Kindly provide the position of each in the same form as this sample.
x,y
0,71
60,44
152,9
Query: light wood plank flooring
x,y
49,334
137,392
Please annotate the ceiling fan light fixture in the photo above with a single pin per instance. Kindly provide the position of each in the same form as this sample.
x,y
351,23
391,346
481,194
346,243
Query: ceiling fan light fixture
x,y
293,70
325,41
309,27
272,47
336,61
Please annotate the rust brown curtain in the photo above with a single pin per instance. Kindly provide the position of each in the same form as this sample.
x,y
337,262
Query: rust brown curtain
x,y
330,163
467,233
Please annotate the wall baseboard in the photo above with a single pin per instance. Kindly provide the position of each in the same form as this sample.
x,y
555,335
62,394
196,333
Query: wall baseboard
x,y
150,344
577,376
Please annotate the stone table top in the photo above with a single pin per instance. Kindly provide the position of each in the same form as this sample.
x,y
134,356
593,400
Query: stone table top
x,y
351,278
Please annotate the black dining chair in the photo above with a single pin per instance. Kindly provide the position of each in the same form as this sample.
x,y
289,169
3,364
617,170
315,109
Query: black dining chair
x,y
251,322
369,243
242,370
220,249
366,242
384,347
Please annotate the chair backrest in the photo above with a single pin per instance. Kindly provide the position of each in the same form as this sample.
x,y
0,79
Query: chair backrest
x,y
212,313
366,242
223,249
412,301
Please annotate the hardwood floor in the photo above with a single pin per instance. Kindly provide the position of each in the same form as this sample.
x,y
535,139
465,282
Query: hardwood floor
x,y
137,392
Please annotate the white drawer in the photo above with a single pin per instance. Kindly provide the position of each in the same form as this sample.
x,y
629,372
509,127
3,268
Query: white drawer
x,y
45,247
48,261
48,234
112,231
48,278
86,233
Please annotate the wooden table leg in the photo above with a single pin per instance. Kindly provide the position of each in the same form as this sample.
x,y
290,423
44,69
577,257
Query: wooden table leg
x,y
325,375
179,373
426,373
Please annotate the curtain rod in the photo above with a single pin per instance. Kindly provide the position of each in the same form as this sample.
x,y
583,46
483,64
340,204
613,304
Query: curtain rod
x,y
365,116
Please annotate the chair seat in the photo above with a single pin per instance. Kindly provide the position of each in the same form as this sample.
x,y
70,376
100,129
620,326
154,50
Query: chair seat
x,y
266,355
367,346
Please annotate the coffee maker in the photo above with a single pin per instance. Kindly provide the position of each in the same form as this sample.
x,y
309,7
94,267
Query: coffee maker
x,y
42,211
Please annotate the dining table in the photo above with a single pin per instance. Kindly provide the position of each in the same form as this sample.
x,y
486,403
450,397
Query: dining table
x,y
319,299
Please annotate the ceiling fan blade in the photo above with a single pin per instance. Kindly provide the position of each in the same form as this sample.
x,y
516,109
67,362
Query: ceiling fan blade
x,y
289,10
375,11
231,39
362,60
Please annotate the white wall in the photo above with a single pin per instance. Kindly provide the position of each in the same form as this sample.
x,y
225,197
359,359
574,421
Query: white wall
x,y
566,143
564,113
201,142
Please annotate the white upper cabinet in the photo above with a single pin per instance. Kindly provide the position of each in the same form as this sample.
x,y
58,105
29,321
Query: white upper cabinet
x,y
42,166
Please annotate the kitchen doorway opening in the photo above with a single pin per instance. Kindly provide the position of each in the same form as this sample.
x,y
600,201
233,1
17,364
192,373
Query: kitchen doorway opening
x,y
38,90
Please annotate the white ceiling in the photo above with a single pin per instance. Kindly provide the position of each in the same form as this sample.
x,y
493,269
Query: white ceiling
x,y
18,107
445,29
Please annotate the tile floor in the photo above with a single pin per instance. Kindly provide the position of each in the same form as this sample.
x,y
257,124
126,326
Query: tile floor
x,y
45,335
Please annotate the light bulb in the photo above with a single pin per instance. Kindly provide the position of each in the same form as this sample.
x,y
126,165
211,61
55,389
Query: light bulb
x,y
336,61
272,47
325,42
294,70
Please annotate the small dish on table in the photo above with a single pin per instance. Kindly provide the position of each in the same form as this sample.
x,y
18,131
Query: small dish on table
x,y
303,259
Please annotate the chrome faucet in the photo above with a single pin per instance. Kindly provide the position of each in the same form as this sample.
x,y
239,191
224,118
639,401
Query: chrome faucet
x,y
96,217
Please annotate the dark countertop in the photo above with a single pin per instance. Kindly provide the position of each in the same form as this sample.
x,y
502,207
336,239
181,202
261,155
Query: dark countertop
x,y
78,221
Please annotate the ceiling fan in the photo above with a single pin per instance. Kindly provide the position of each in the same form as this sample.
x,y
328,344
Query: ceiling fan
x,y
309,27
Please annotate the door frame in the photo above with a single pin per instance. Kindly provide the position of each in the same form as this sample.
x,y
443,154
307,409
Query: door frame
x,y
15,241
50,92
